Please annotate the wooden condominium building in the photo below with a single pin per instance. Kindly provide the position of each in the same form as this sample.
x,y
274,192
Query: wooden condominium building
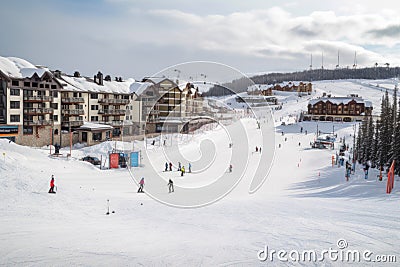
x,y
39,107
166,106
346,109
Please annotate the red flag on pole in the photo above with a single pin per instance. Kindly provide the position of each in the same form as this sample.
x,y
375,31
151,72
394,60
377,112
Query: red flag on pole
x,y
390,180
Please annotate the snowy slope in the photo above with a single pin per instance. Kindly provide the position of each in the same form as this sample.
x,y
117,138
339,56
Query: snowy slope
x,y
304,204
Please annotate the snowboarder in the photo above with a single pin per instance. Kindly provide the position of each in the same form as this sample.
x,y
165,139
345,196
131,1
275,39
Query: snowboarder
x,y
190,167
366,170
52,185
182,170
170,186
166,166
141,185
170,166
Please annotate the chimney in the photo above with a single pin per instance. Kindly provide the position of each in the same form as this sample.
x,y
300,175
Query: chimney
x,y
100,77
120,79
116,79
94,79
57,73
107,78
77,74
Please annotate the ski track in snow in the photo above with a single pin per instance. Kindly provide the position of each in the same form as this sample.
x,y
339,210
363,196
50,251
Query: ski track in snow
x,y
296,208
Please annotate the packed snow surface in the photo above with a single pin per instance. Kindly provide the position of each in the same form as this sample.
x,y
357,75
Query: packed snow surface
x,y
304,204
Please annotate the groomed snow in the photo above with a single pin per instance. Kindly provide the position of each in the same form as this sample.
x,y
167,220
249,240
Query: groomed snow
x,y
304,204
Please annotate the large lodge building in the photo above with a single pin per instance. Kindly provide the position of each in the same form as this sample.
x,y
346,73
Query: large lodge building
x,y
346,109
39,107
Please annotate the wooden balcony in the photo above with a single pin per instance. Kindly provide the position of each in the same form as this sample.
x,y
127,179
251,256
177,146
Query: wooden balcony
x,y
112,112
38,111
72,112
72,100
39,122
39,98
112,101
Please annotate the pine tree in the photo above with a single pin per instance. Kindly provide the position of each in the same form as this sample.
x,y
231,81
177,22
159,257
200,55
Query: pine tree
x,y
369,139
392,126
375,148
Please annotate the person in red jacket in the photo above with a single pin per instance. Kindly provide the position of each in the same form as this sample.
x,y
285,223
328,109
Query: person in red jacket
x,y
52,185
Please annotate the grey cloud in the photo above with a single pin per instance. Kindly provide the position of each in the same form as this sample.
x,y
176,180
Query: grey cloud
x,y
390,31
302,31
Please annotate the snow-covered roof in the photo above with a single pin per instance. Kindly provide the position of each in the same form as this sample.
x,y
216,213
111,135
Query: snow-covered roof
x,y
94,126
139,87
84,84
19,68
341,100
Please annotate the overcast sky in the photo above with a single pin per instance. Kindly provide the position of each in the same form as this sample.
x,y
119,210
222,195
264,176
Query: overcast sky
x,y
136,38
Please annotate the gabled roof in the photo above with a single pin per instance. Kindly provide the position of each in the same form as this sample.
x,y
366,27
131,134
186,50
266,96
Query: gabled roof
x,y
19,68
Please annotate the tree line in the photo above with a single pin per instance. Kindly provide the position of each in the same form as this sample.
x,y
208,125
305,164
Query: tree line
x,y
378,142
241,85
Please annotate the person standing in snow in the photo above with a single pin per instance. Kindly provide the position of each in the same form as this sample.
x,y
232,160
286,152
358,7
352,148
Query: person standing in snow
x,y
166,166
256,149
141,185
52,185
170,166
230,168
190,167
179,166
182,170
260,150
170,186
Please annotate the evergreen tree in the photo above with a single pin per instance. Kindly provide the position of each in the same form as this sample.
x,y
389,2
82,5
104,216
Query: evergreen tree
x,y
369,139
375,145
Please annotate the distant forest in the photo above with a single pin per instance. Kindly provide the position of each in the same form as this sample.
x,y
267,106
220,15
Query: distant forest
x,y
240,85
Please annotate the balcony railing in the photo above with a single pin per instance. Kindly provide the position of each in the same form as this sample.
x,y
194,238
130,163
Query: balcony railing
x,y
72,123
113,123
112,111
39,123
72,100
72,112
113,101
38,111
39,98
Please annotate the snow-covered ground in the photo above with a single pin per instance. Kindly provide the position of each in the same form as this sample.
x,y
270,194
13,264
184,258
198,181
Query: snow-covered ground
x,y
304,204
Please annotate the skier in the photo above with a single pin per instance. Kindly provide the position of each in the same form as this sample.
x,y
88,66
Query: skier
x,y
141,185
190,167
170,166
348,170
230,168
179,166
366,170
170,186
166,166
301,130
256,149
306,132
260,150
182,170
52,185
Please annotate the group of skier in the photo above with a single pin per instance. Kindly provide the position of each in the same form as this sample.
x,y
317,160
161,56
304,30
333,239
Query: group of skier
x,y
168,166
170,186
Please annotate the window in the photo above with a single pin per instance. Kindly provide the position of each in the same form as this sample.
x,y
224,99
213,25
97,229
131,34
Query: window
x,y
94,96
15,104
127,118
75,94
14,91
47,86
15,83
97,136
55,94
55,118
78,106
35,84
28,129
27,84
94,118
54,105
14,118
94,107
41,85
53,86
